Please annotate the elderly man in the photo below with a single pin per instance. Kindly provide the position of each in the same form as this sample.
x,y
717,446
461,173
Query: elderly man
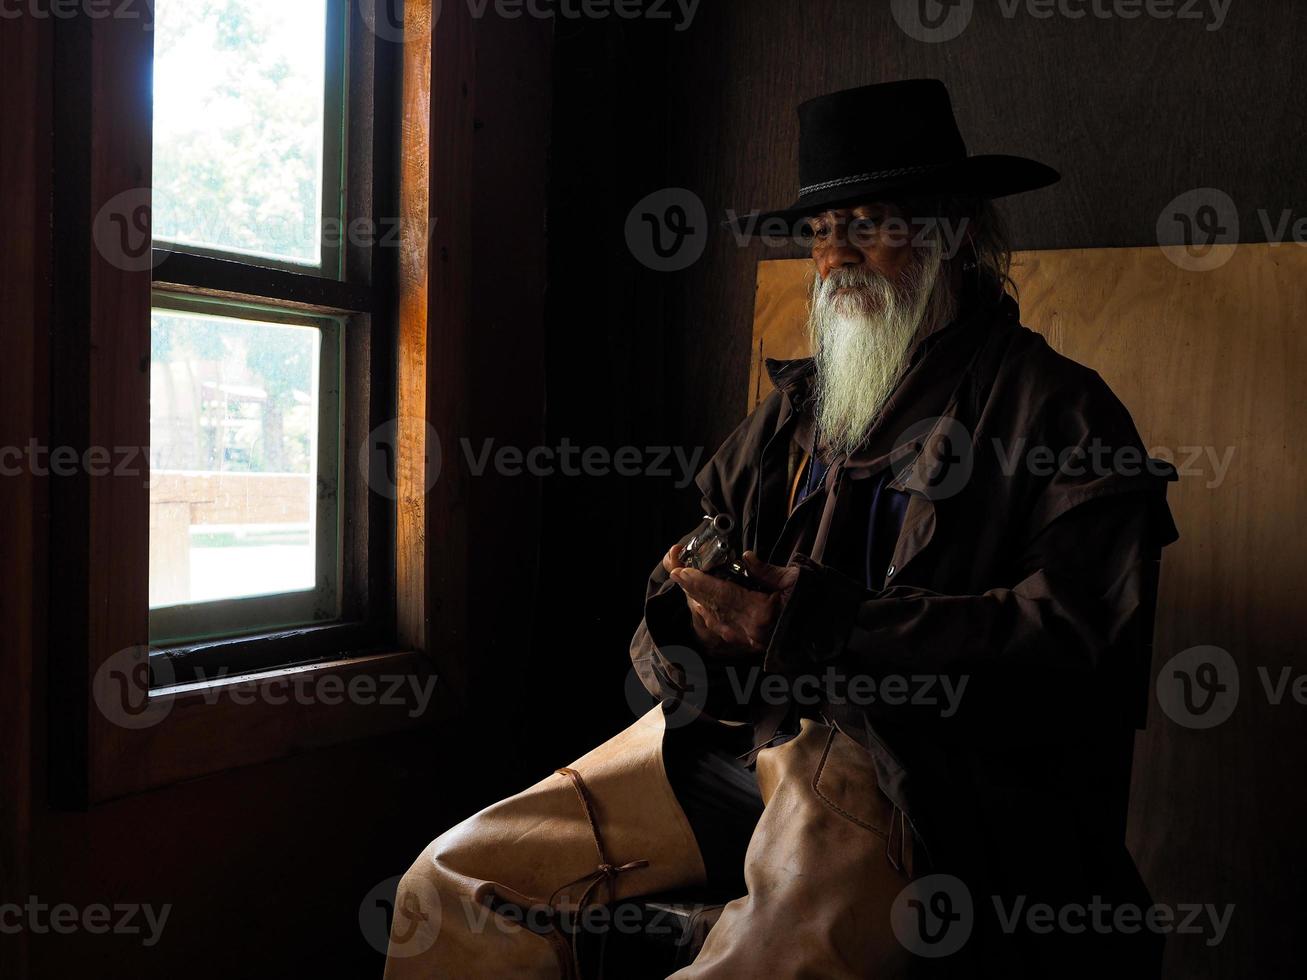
x,y
897,735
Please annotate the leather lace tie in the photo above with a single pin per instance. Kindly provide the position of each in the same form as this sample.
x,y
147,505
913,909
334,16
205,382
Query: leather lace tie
x,y
605,874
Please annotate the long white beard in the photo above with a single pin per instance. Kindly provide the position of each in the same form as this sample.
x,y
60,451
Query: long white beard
x,y
861,340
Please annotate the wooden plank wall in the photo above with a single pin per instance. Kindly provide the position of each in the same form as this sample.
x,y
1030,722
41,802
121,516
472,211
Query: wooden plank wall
x,y
1210,365
25,99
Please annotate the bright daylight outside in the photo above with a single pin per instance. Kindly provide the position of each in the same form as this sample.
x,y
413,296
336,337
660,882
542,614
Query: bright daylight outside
x,y
234,400
233,423
238,125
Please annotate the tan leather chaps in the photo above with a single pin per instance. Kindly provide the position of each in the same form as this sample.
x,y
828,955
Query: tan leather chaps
x,y
823,868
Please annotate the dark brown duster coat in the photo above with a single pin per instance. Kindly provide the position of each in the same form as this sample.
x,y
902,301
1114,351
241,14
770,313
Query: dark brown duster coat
x,y
1026,566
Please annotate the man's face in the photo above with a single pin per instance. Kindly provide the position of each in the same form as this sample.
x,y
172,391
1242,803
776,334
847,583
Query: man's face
x,y
873,294
868,237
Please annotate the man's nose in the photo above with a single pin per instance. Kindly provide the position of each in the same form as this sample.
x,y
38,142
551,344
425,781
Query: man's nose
x,y
838,254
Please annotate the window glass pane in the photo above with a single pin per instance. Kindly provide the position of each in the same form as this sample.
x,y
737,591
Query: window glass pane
x,y
234,409
238,125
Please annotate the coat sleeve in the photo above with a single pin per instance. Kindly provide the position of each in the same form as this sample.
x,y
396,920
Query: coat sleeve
x,y
1086,582
664,650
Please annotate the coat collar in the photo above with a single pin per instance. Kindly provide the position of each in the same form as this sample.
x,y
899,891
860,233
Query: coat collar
x,y
794,378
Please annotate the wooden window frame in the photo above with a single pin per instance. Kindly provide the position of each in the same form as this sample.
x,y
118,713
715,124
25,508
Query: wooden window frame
x,y
100,391
353,284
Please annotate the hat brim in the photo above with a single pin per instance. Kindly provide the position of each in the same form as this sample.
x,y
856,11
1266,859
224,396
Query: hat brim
x,y
986,176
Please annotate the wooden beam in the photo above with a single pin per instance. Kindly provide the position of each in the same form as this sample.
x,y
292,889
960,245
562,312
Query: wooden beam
x,y
409,437
449,381
102,336
25,50
436,182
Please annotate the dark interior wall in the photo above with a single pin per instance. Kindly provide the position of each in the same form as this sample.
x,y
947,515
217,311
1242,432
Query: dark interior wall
x,y
264,868
1133,111
612,367
24,303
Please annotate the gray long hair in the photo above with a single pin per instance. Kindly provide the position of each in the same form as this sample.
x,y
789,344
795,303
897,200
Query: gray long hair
x,y
989,245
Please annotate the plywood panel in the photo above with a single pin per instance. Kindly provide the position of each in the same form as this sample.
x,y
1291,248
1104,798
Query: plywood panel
x,y
779,310
1210,364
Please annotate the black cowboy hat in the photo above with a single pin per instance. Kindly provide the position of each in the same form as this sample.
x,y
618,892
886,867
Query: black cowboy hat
x,y
895,139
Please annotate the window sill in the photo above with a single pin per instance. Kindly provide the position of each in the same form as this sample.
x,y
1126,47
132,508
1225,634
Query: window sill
x,y
174,664
203,727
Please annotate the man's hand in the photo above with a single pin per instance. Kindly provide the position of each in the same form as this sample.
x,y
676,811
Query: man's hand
x,y
728,618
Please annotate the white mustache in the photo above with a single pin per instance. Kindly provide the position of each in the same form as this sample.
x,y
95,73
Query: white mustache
x,y
854,279
849,278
